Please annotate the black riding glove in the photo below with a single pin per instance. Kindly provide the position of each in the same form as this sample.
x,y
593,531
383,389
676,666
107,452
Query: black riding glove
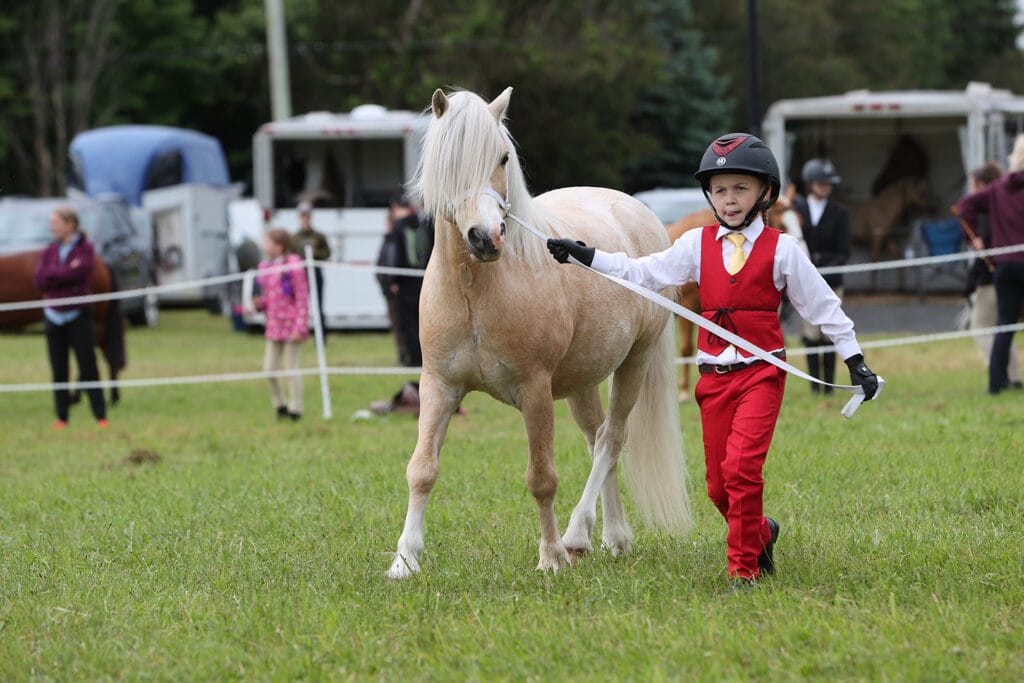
x,y
564,248
861,376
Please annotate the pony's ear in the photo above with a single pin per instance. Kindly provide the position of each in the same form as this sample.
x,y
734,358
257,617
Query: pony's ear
x,y
439,103
499,104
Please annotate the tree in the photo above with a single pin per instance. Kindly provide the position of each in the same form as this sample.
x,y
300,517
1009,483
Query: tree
x,y
58,54
683,109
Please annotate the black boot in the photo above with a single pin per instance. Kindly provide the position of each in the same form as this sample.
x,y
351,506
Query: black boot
x,y
829,369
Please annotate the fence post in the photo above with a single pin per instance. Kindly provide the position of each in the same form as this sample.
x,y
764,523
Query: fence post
x,y
318,332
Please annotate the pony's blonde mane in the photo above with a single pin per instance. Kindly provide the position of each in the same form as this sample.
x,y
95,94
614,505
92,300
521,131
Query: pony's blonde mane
x,y
460,152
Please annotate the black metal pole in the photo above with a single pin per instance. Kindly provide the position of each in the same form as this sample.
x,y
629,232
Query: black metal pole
x,y
753,70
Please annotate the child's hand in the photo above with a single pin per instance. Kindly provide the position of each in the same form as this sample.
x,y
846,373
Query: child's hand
x,y
861,376
257,303
562,249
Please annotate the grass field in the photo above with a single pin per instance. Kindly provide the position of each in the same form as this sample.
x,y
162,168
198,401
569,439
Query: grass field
x,y
198,539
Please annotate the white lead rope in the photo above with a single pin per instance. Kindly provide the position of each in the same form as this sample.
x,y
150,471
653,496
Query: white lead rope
x,y
848,410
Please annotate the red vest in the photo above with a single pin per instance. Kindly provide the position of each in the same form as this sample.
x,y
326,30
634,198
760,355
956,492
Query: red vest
x,y
746,303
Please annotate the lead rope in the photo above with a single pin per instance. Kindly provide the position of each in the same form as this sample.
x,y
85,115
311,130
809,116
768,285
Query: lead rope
x,y
848,410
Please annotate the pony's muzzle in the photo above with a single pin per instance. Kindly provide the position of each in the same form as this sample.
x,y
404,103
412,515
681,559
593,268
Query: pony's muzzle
x,y
485,246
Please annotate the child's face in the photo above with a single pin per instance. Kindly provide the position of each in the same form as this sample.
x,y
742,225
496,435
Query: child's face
x,y
271,248
733,195
820,190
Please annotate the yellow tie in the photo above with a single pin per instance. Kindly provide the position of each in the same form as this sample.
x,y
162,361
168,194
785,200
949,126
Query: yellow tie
x,y
739,257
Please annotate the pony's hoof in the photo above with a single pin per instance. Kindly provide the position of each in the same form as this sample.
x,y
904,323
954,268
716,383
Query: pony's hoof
x,y
575,554
684,396
402,568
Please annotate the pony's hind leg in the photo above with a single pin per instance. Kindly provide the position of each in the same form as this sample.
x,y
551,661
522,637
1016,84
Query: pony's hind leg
x,y
436,409
616,534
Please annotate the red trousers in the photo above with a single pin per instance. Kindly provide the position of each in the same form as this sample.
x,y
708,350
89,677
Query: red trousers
x,y
738,413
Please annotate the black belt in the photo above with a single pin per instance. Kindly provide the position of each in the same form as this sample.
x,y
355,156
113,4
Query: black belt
x,y
711,369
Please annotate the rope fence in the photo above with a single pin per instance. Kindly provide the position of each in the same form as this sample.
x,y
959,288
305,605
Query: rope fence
x,y
323,370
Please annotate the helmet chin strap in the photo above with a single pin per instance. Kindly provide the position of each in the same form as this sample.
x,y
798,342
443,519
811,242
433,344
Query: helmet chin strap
x,y
751,215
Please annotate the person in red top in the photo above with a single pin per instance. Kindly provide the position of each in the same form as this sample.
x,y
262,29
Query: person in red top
x,y
742,267
1003,202
63,271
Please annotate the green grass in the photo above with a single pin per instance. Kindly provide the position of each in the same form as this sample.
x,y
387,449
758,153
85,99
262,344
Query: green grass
x,y
256,550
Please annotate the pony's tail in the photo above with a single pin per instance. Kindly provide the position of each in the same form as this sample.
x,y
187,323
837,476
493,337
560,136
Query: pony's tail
x,y
655,460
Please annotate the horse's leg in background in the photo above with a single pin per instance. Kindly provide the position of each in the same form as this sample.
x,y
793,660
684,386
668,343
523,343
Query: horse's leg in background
x,y
437,405
588,413
541,478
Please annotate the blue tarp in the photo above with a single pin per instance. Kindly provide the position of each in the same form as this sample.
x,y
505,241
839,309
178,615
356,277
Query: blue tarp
x,y
119,159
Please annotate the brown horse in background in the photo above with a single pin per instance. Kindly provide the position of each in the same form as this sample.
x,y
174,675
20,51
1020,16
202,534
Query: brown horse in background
x,y
780,215
873,223
17,283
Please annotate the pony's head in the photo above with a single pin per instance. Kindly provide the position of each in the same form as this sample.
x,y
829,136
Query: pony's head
x,y
469,174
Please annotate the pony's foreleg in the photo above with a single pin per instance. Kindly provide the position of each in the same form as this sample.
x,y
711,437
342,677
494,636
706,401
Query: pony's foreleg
x,y
437,405
541,478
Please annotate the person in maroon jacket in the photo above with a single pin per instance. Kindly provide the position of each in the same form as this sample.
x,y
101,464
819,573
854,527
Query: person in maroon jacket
x,y
742,266
63,271
1003,203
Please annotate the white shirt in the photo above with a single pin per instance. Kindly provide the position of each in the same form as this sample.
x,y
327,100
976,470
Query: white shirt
x,y
816,207
812,298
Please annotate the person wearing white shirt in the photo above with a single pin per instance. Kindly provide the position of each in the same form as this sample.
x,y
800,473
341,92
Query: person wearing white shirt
x,y
742,267
826,230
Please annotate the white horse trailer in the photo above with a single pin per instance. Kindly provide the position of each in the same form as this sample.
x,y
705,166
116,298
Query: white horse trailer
x,y
860,130
348,166
873,136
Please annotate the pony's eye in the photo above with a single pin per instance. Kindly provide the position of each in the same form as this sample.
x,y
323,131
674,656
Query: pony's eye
x,y
504,159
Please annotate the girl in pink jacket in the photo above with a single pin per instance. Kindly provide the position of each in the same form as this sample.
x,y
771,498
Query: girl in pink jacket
x,y
285,301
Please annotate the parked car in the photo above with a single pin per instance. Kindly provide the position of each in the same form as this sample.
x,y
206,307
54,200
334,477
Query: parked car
x,y
671,204
121,234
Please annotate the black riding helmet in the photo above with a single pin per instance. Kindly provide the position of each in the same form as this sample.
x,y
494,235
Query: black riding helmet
x,y
820,171
741,153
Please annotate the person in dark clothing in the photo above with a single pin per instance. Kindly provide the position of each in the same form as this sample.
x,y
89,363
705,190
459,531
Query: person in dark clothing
x,y
407,244
63,271
981,289
321,252
826,231
1003,203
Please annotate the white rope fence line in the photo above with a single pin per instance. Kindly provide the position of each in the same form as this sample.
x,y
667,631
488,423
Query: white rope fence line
x,y
323,370
402,370
415,272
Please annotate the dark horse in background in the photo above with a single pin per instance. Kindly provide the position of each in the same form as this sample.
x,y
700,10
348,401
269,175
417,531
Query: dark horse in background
x,y
17,283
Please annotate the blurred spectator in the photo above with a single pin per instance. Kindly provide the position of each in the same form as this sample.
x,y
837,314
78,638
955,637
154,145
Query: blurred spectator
x,y
307,235
981,290
285,301
826,232
1003,203
63,271
407,244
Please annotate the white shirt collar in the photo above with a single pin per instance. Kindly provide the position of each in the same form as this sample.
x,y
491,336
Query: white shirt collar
x,y
751,232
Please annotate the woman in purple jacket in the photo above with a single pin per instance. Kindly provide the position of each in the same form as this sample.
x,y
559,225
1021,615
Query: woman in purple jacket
x,y
1003,202
63,271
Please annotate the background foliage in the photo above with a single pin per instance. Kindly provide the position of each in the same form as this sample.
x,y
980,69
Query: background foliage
x,y
608,93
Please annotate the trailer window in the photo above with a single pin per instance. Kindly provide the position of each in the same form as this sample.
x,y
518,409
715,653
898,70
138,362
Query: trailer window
x,y
337,173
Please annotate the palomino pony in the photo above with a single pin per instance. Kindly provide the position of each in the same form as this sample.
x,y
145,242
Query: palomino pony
x,y
17,283
499,315
781,215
